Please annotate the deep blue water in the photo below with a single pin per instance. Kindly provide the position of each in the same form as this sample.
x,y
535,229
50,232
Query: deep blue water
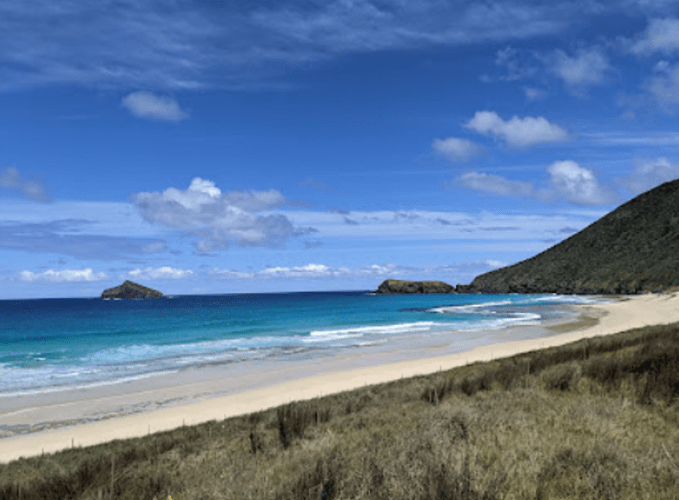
x,y
54,344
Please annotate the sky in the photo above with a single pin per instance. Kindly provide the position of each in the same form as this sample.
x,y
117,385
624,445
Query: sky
x,y
209,147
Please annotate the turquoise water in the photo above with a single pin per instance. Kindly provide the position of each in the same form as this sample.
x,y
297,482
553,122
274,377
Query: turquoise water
x,y
56,344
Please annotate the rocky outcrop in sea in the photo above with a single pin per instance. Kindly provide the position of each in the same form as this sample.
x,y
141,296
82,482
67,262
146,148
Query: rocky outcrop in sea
x,y
131,290
400,286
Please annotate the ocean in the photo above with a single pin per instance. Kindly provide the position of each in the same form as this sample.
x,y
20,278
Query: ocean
x,y
52,345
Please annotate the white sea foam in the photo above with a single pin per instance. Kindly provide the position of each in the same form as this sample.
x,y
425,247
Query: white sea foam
x,y
468,308
513,319
575,299
360,331
141,352
45,389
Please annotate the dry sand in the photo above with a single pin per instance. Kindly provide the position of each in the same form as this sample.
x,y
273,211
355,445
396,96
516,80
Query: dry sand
x,y
600,319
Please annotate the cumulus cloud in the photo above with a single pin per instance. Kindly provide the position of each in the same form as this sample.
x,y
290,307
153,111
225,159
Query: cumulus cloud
x,y
495,184
160,273
661,35
576,184
588,67
10,179
218,218
147,105
66,275
568,180
648,174
517,132
456,149
255,201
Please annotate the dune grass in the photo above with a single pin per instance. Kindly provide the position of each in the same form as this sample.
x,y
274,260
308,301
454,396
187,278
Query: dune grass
x,y
595,419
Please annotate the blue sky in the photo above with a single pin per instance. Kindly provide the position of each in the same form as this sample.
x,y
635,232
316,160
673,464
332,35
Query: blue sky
x,y
223,147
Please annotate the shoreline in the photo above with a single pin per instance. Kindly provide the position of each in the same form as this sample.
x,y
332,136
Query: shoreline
x,y
322,377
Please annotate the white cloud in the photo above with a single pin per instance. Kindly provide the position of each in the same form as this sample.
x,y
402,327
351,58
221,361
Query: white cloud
x,y
230,274
577,184
533,94
154,247
495,263
455,149
588,67
147,105
518,64
236,44
376,271
10,179
663,87
494,184
517,132
648,174
661,35
218,218
67,275
661,66
311,271
307,271
255,201
380,270
568,181
160,273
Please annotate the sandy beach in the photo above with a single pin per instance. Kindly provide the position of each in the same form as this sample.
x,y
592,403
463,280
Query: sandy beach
x,y
278,384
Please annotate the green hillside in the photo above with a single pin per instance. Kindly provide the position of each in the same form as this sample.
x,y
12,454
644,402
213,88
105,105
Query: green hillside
x,y
631,250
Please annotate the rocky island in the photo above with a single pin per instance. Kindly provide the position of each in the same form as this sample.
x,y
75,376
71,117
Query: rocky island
x,y
130,290
400,286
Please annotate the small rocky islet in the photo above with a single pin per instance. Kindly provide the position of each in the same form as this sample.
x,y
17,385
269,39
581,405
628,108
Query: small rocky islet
x,y
130,290
401,286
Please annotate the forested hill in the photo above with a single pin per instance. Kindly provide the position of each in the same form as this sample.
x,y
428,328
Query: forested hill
x,y
633,249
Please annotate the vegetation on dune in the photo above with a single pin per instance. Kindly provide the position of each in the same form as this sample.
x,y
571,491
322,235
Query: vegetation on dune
x,y
595,419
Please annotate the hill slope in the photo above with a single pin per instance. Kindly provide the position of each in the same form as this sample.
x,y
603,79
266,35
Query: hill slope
x,y
633,249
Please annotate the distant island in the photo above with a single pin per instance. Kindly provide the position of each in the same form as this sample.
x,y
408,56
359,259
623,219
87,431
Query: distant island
x,y
400,286
130,290
634,249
